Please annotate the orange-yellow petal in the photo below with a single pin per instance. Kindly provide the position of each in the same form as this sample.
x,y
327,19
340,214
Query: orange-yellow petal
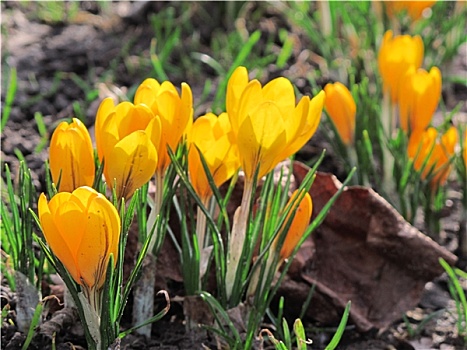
x,y
69,220
210,135
106,108
396,55
342,109
419,94
413,8
54,237
147,91
130,117
71,156
101,233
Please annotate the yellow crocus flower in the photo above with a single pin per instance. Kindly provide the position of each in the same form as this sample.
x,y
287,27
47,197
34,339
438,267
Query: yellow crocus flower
x,y
299,223
126,137
341,108
213,137
425,146
175,112
396,55
268,127
413,8
82,229
419,94
71,156
267,124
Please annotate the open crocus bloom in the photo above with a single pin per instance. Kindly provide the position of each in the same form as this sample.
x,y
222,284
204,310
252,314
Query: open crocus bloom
x,y
174,111
82,228
341,108
213,137
433,154
419,94
396,55
267,124
71,156
126,138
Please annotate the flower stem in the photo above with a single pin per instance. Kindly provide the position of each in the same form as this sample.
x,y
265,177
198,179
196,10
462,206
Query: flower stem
x,y
156,209
201,233
143,307
201,223
326,23
388,119
237,238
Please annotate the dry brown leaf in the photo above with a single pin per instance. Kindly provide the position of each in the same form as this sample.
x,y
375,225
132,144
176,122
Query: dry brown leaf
x,y
365,252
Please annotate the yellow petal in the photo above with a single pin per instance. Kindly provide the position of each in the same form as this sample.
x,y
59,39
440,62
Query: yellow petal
x,y
54,237
83,197
261,137
130,117
210,135
154,131
281,92
419,95
427,91
306,130
69,220
71,156
397,54
223,126
235,87
101,234
251,98
104,112
218,162
57,201
441,155
131,164
186,107
146,92
341,108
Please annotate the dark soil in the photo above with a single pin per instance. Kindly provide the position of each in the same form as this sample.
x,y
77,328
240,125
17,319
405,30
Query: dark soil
x,y
54,58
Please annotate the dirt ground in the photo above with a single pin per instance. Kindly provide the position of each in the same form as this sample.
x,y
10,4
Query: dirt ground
x,y
85,47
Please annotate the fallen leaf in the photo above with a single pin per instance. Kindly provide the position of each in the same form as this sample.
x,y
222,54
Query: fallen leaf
x,y
364,251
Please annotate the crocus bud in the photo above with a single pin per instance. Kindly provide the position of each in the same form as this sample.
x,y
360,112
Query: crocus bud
x,y
174,110
341,108
419,94
126,138
213,137
396,55
71,156
299,223
433,154
413,8
82,229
